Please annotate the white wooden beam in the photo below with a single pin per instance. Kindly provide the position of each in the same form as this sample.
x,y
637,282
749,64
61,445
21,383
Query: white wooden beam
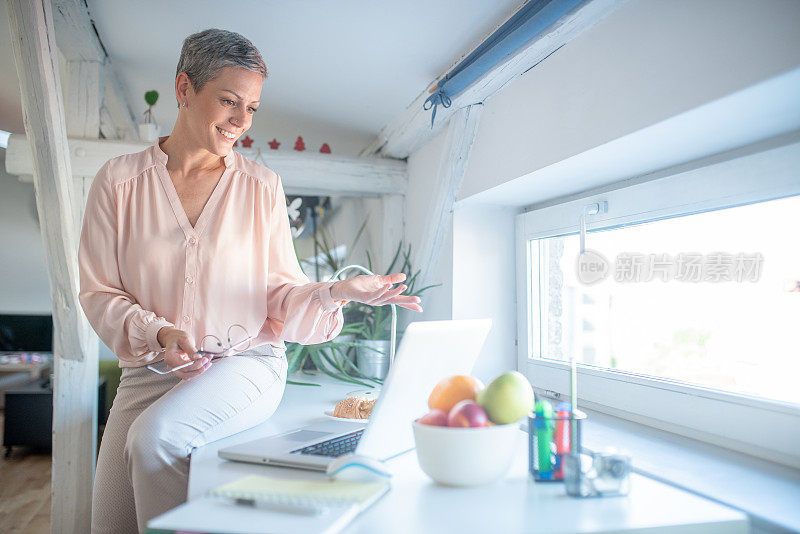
x,y
461,132
120,120
84,89
318,174
324,174
85,83
78,40
76,35
74,405
412,128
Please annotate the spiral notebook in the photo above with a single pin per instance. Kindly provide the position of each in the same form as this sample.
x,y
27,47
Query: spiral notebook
x,y
259,504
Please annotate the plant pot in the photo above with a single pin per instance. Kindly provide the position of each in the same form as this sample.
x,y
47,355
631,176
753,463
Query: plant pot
x,y
148,132
371,363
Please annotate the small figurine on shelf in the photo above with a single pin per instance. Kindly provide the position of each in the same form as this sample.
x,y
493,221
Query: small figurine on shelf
x,y
299,144
274,144
325,149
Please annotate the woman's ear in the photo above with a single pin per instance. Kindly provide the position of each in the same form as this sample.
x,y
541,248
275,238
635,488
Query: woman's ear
x,y
183,87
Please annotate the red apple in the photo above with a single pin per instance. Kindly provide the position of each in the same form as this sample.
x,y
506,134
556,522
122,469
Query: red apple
x,y
434,418
467,413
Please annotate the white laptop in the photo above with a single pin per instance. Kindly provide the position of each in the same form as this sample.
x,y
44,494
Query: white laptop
x,y
429,351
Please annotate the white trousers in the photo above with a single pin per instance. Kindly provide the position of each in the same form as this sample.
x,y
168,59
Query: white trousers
x,y
157,420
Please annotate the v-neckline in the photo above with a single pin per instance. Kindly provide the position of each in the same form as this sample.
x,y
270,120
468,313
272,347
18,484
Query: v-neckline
x,y
175,201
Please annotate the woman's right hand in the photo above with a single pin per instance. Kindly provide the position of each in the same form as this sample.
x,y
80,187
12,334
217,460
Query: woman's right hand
x,y
179,349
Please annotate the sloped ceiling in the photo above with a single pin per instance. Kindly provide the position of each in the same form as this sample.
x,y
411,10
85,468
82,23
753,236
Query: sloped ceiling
x,y
338,70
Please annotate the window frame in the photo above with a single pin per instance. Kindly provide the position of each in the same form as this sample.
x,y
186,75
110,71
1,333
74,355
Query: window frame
x,y
763,171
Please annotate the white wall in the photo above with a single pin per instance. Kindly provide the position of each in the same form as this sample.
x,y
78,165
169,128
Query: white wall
x,y
484,282
24,284
646,62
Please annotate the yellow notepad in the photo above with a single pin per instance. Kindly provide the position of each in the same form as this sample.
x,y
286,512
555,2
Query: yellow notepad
x,y
303,492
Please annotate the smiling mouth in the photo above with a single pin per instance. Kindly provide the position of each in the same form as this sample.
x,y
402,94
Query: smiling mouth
x,y
226,134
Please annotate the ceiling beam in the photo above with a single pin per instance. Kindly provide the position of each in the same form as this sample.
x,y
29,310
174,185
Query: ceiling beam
x,y
318,174
76,35
120,120
412,128
78,40
82,98
461,131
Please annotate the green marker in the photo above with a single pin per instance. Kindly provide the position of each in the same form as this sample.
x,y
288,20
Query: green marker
x,y
544,427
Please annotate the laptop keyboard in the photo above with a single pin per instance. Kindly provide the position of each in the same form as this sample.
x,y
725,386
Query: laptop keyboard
x,y
337,446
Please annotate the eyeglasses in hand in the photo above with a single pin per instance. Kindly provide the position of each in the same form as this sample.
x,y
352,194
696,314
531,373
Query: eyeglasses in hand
x,y
220,349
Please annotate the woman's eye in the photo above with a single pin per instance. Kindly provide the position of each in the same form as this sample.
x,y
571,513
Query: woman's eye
x,y
253,110
227,101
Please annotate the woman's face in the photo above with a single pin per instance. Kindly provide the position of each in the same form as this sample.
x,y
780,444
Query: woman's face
x,y
223,109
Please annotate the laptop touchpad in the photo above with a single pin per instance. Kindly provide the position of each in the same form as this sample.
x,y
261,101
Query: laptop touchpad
x,y
306,435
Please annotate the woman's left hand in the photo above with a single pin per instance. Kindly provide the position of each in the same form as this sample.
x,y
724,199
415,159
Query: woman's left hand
x,y
375,290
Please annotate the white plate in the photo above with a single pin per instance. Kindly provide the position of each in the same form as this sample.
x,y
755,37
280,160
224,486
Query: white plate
x,y
371,393
329,413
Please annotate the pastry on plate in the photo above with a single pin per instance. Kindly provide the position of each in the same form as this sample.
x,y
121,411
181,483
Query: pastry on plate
x,y
354,408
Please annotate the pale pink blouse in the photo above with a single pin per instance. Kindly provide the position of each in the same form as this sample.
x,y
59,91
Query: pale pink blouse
x,y
143,266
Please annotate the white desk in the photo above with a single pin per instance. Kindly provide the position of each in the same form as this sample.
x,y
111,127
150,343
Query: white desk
x,y
515,504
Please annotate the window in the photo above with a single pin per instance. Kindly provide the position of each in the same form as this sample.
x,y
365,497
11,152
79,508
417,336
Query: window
x,y
687,302
710,299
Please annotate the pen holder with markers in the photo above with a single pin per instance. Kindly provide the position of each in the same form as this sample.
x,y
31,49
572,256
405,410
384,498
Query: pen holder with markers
x,y
549,440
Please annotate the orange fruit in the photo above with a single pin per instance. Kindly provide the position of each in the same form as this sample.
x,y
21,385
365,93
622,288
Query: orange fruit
x,y
452,390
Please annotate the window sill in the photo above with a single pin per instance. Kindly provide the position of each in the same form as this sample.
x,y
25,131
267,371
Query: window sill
x,y
768,493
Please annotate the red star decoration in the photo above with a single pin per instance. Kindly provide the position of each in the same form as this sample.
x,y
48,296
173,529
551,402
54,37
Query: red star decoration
x,y
274,144
246,142
236,143
325,149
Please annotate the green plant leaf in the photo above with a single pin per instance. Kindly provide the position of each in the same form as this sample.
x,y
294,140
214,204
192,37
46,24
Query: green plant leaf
x,y
394,259
358,372
151,97
316,358
295,383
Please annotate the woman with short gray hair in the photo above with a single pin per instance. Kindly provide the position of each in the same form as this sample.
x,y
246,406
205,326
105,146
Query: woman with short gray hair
x,y
188,240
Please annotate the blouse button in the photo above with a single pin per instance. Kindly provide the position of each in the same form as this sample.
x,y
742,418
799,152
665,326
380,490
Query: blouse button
x,y
186,318
189,280
192,240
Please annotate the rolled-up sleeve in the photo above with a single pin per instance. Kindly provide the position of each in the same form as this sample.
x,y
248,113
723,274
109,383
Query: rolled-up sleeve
x,y
298,310
121,323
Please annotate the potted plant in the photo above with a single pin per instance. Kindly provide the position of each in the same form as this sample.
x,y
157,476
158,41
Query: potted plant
x,y
336,357
329,358
148,131
365,336
373,329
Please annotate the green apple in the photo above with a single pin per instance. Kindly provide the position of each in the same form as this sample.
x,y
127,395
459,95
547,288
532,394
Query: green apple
x,y
507,399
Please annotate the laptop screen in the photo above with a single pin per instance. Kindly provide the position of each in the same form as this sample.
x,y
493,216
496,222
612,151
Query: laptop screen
x,y
430,351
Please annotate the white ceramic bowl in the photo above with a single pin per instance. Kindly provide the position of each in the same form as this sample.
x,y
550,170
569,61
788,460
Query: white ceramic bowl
x,y
465,456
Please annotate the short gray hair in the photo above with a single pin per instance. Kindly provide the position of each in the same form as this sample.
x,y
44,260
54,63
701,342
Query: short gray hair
x,y
205,53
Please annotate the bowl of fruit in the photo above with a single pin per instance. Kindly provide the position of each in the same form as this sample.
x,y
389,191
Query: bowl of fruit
x,y
471,433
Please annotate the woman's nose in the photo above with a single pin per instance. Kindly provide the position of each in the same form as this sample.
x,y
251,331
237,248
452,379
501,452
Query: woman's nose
x,y
239,119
